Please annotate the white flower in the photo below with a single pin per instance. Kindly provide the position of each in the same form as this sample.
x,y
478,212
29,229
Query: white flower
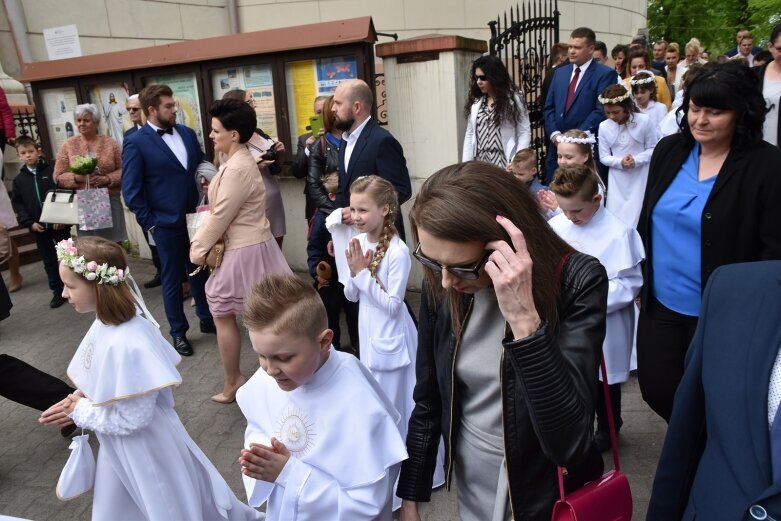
x,y
90,276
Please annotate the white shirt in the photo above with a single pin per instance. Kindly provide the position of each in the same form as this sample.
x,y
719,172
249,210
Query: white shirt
x,y
582,72
774,391
175,143
351,138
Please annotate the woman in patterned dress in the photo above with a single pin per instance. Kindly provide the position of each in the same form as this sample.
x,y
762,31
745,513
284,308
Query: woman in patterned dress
x,y
497,119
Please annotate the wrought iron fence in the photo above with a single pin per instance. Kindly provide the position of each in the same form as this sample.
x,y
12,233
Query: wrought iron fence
x,y
523,40
26,122
382,99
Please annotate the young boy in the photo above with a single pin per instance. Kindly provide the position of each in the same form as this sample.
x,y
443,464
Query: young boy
x,y
322,439
29,190
330,289
591,228
524,168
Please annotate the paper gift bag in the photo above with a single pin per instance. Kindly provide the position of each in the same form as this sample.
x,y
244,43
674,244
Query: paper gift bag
x,y
195,220
94,209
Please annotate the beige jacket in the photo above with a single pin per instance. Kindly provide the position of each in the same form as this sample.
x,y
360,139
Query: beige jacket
x,y
238,208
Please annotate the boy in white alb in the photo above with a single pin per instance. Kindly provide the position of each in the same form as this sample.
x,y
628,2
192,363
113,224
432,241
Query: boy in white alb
x,y
591,228
322,440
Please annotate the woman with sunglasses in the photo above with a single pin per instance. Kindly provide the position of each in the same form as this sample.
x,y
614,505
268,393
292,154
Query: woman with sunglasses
x,y
511,327
497,122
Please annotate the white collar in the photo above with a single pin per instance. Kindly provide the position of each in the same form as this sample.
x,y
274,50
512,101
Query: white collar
x,y
582,67
355,134
156,128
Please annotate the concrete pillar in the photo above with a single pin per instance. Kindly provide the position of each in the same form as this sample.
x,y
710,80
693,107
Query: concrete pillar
x,y
426,80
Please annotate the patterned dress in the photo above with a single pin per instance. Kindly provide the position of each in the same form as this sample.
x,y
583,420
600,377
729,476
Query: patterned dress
x,y
489,137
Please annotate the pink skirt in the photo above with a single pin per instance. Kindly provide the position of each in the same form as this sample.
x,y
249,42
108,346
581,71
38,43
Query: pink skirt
x,y
240,270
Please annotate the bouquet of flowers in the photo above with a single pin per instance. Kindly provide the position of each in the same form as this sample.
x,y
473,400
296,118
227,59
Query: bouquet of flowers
x,y
83,165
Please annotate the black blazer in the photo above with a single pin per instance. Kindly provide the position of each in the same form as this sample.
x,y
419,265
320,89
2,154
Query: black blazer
x,y
760,72
740,221
375,152
716,461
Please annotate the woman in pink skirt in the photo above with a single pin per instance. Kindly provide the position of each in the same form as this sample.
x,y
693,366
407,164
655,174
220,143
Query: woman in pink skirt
x,y
237,215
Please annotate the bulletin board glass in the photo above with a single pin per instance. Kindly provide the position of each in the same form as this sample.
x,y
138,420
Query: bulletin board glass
x,y
58,106
188,105
111,98
257,80
307,79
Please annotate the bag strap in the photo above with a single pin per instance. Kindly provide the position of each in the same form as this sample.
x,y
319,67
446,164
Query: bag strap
x,y
322,146
605,389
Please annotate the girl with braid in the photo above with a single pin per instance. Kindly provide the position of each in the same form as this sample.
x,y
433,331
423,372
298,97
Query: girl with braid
x,y
379,263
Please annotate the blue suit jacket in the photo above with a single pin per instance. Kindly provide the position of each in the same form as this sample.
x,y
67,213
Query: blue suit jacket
x,y
155,185
375,152
716,460
586,112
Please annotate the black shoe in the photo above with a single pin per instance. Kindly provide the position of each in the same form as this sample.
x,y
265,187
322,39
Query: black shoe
x,y
182,346
154,282
57,301
68,430
208,327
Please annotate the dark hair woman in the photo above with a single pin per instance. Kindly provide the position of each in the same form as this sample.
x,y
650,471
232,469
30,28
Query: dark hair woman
x,y
711,199
237,214
497,120
515,396
770,80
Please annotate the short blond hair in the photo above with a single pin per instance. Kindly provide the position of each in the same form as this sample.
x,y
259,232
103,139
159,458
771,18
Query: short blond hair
x,y
330,183
286,304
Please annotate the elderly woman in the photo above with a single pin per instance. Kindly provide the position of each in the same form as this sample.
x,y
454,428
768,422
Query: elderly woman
x,y
711,199
108,173
497,122
512,322
237,215
770,77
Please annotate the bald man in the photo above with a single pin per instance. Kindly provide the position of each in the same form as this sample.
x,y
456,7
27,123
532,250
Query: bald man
x,y
366,147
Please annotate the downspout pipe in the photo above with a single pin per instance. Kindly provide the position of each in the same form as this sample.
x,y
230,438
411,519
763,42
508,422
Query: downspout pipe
x,y
18,25
233,16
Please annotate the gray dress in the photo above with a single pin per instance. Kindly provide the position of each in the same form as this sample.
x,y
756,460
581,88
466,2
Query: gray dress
x,y
481,475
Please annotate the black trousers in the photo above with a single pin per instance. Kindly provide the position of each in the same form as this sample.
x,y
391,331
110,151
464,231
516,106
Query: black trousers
x,y
615,401
23,383
663,338
335,302
45,241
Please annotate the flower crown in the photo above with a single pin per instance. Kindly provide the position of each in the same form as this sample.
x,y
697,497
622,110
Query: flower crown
x,y
616,100
68,256
590,139
647,77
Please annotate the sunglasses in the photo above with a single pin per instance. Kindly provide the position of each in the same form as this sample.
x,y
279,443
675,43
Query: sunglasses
x,y
465,273
133,109
481,77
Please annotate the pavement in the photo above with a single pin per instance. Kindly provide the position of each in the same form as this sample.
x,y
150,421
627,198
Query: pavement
x,y
31,456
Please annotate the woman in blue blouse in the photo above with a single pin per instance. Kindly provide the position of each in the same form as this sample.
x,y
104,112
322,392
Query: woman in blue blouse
x,y
712,199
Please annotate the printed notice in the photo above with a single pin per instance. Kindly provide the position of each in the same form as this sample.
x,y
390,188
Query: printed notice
x,y
62,42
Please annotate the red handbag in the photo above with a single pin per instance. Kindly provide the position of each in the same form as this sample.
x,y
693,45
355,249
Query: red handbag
x,y
606,499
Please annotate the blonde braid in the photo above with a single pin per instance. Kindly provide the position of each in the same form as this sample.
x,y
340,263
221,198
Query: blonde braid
x,y
388,231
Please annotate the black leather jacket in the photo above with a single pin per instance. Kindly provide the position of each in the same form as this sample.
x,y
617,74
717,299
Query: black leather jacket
x,y
323,158
548,385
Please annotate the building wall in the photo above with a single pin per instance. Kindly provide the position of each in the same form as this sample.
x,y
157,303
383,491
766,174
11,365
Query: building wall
x,y
110,25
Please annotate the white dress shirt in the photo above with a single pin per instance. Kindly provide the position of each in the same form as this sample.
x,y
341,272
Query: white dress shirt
x,y
175,143
351,138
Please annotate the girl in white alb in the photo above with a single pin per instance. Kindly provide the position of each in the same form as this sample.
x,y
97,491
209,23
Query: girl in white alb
x,y
148,467
379,264
644,93
626,142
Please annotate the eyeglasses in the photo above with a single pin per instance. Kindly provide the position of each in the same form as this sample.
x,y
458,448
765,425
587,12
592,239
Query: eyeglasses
x,y
481,77
133,109
472,273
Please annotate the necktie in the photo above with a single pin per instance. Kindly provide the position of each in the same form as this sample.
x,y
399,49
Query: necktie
x,y
570,92
161,131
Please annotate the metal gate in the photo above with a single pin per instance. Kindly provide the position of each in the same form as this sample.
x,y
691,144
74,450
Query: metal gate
x,y
523,42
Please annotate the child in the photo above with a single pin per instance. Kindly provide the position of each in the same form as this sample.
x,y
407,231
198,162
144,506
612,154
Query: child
x,y
592,229
148,467
626,142
524,168
574,147
323,439
29,190
644,92
380,263
330,289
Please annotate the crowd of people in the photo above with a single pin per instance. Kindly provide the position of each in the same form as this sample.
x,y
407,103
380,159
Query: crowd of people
x,y
659,173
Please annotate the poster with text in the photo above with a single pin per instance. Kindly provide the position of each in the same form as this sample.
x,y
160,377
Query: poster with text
x,y
257,81
185,88
58,107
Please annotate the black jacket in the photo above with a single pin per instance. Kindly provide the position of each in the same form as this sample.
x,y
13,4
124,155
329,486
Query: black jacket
x,y
323,159
740,221
760,72
26,200
548,394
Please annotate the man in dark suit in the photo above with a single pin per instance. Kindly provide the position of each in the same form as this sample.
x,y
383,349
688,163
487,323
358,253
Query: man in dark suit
x,y
572,99
367,148
158,183
722,454
301,164
133,108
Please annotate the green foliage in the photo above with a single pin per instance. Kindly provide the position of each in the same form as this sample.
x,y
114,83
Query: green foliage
x,y
713,22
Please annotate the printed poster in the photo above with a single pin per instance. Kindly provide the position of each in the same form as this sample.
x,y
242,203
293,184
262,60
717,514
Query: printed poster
x,y
111,99
257,80
188,105
58,106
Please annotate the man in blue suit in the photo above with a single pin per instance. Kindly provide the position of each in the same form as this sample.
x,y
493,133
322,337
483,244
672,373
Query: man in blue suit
x,y
366,148
158,183
722,454
572,99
